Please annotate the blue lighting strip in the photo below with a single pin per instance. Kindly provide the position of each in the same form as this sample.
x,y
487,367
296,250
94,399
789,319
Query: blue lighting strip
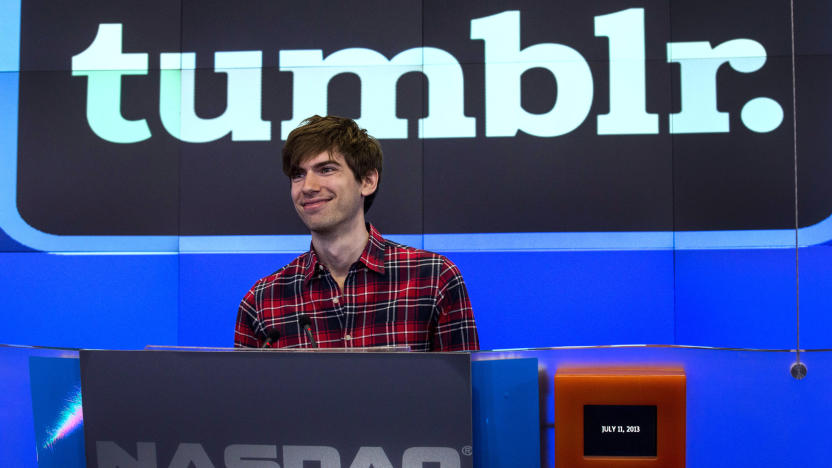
x,y
9,36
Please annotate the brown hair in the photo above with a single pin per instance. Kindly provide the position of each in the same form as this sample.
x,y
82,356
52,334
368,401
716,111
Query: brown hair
x,y
336,135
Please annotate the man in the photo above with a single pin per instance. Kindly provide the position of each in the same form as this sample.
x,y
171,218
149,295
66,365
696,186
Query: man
x,y
353,288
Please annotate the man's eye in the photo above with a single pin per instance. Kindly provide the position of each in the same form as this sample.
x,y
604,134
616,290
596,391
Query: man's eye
x,y
297,176
327,169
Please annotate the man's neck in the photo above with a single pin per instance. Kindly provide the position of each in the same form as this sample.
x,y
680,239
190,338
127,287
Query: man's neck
x,y
339,250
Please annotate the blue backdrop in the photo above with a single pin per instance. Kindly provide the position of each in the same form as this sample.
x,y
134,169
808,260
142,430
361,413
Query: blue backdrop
x,y
675,279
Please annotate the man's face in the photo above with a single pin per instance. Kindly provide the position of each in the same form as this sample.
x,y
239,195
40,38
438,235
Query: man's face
x,y
326,194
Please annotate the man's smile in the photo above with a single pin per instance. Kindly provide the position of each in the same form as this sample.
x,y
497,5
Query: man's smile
x,y
314,204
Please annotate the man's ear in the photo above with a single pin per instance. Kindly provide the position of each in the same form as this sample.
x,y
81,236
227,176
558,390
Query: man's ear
x,y
369,183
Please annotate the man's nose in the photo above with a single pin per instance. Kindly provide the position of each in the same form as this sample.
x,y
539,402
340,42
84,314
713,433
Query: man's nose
x,y
311,183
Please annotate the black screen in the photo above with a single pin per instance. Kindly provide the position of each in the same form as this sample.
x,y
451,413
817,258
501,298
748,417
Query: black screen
x,y
620,430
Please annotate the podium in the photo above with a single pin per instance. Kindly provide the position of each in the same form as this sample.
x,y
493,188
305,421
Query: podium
x,y
724,393
255,408
270,409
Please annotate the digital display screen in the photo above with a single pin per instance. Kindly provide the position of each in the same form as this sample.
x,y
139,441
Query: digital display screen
x,y
164,118
620,430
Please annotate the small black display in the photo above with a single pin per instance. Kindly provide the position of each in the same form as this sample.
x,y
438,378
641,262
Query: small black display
x,y
619,431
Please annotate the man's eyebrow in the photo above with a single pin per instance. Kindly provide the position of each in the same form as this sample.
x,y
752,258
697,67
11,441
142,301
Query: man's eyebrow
x,y
326,163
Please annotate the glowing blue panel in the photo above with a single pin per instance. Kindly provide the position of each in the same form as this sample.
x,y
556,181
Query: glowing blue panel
x,y
533,299
101,301
736,298
506,416
815,297
211,288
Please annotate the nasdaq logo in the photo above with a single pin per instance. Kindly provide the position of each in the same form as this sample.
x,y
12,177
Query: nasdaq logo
x,y
111,455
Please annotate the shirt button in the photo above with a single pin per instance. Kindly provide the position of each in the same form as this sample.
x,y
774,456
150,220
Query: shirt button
x,y
347,338
335,300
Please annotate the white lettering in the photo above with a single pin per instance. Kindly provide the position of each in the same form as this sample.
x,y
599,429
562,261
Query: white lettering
x,y
295,455
371,457
699,64
378,78
110,455
416,457
251,456
190,454
628,86
187,455
242,114
505,63
103,63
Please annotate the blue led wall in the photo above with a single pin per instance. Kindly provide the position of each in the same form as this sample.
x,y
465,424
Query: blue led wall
x,y
620,172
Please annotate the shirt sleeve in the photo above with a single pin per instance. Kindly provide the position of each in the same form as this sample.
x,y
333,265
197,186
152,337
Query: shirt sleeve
x,y
244,336
455,328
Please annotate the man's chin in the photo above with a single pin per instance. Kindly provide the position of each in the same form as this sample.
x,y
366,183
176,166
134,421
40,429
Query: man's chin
x,y
318,226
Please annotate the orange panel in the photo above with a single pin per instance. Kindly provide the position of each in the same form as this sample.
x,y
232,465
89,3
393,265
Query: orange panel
x,y
661,387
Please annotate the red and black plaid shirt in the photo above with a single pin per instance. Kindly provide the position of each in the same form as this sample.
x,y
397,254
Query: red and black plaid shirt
x,y
393,295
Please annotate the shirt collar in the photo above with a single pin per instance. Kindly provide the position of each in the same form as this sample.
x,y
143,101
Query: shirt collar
x,y
372,256
310,264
